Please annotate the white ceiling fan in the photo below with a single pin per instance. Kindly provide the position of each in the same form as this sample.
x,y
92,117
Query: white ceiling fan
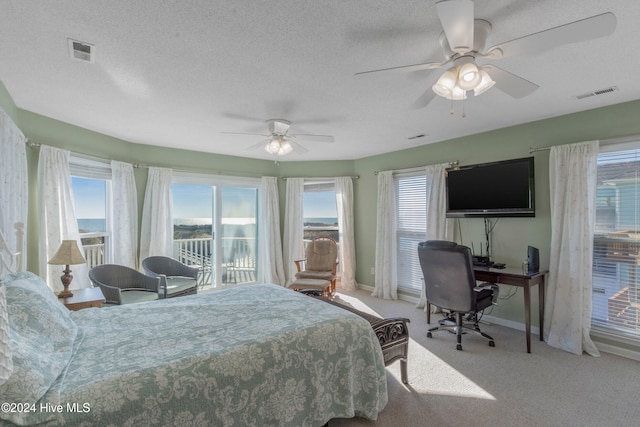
x,y
463,42
279,141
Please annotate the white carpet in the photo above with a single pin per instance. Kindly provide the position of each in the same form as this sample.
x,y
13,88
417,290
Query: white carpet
x,y
501,386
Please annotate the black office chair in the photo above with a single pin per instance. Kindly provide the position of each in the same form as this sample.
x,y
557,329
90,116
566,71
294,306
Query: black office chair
x,y
451,285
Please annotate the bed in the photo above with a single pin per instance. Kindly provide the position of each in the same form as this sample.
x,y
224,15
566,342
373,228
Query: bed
x,y
258,355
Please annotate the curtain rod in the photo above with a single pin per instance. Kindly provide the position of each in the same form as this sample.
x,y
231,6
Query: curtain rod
x,y
320,177
203,171
32,144
418,168
610,141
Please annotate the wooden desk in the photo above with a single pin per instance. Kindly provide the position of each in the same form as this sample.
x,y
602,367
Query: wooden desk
x,y
514,277
84,298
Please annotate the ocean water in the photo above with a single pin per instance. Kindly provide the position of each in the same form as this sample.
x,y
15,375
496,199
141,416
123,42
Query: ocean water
x,y
249,221
88,225
321,221
99,224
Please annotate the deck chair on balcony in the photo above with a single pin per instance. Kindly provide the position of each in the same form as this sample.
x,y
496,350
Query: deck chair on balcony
x,y
319,265
124,285
177,279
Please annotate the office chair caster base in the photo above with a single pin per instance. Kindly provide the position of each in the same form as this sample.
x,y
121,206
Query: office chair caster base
x,y
429,335
459,347
492,344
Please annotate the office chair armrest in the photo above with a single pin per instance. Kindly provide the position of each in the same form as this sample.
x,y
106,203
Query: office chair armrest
x,y
495,289
483,286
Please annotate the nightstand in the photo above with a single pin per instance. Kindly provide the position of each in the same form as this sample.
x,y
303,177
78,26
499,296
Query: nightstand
x,y
84,298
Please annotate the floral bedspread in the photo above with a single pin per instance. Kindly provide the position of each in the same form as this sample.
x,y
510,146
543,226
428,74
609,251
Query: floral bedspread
x,y
258,355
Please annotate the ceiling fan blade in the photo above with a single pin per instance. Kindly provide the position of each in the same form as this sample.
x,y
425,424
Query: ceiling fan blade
x,y
257,145
512,85
414,67
315,138
424,99
297,147
585,29
245,133
456,17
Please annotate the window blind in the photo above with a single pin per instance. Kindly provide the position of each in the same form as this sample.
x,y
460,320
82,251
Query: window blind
x,y
89,168
411,228
616,258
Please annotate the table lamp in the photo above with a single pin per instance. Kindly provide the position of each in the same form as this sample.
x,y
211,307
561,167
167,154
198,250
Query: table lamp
x,y
67,254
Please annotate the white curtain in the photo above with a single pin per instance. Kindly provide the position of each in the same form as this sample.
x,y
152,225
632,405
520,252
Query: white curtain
x,y
386,285
439,227
57,216
156,231
573,180
13,184
293,228
270,253
124,214
347,255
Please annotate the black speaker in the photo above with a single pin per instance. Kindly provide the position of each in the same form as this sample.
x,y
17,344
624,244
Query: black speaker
x,y
533,260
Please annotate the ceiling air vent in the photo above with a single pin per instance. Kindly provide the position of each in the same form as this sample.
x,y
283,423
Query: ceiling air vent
x,y
81,51
597,92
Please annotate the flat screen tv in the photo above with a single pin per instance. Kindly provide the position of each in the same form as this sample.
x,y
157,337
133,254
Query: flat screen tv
x,y
498,189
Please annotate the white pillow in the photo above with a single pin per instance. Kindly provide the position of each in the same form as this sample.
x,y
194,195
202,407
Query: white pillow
x,y
6,358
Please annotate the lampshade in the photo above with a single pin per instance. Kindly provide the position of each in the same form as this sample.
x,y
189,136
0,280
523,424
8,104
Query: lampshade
x,y
485,84
68,254
446,83
458,94
278,146
285,148
468,76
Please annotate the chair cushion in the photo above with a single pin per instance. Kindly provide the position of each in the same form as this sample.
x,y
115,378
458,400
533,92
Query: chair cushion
x,y
303,284
176,285
320,275
321,255
132,297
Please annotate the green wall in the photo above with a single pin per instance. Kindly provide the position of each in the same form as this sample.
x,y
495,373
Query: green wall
x,y
511,236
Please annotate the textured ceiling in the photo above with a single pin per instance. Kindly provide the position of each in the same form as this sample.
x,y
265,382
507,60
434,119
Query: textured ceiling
x,y
177,74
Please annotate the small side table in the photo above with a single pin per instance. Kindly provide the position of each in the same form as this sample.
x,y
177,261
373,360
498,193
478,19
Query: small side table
x,y
84,298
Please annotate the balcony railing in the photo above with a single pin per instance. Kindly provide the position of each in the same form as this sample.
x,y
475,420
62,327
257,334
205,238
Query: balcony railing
x,y
94,254
238,261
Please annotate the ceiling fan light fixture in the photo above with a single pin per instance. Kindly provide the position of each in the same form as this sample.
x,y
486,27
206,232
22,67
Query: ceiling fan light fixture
x,y
273,146
485,84
458,94
278,146
446,83
469,76
285,148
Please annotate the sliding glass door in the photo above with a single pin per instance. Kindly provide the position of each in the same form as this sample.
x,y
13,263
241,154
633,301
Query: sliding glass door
x,y
238,234
215,229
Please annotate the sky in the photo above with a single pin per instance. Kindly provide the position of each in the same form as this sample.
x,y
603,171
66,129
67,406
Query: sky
x,y
196,201
90,197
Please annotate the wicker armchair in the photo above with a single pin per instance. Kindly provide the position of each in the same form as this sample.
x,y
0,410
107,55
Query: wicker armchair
x,y
177,279
124,285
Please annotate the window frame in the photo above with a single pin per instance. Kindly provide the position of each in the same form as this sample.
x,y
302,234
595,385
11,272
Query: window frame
x,y
413,271
217,182
326,185
96,169
599,327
